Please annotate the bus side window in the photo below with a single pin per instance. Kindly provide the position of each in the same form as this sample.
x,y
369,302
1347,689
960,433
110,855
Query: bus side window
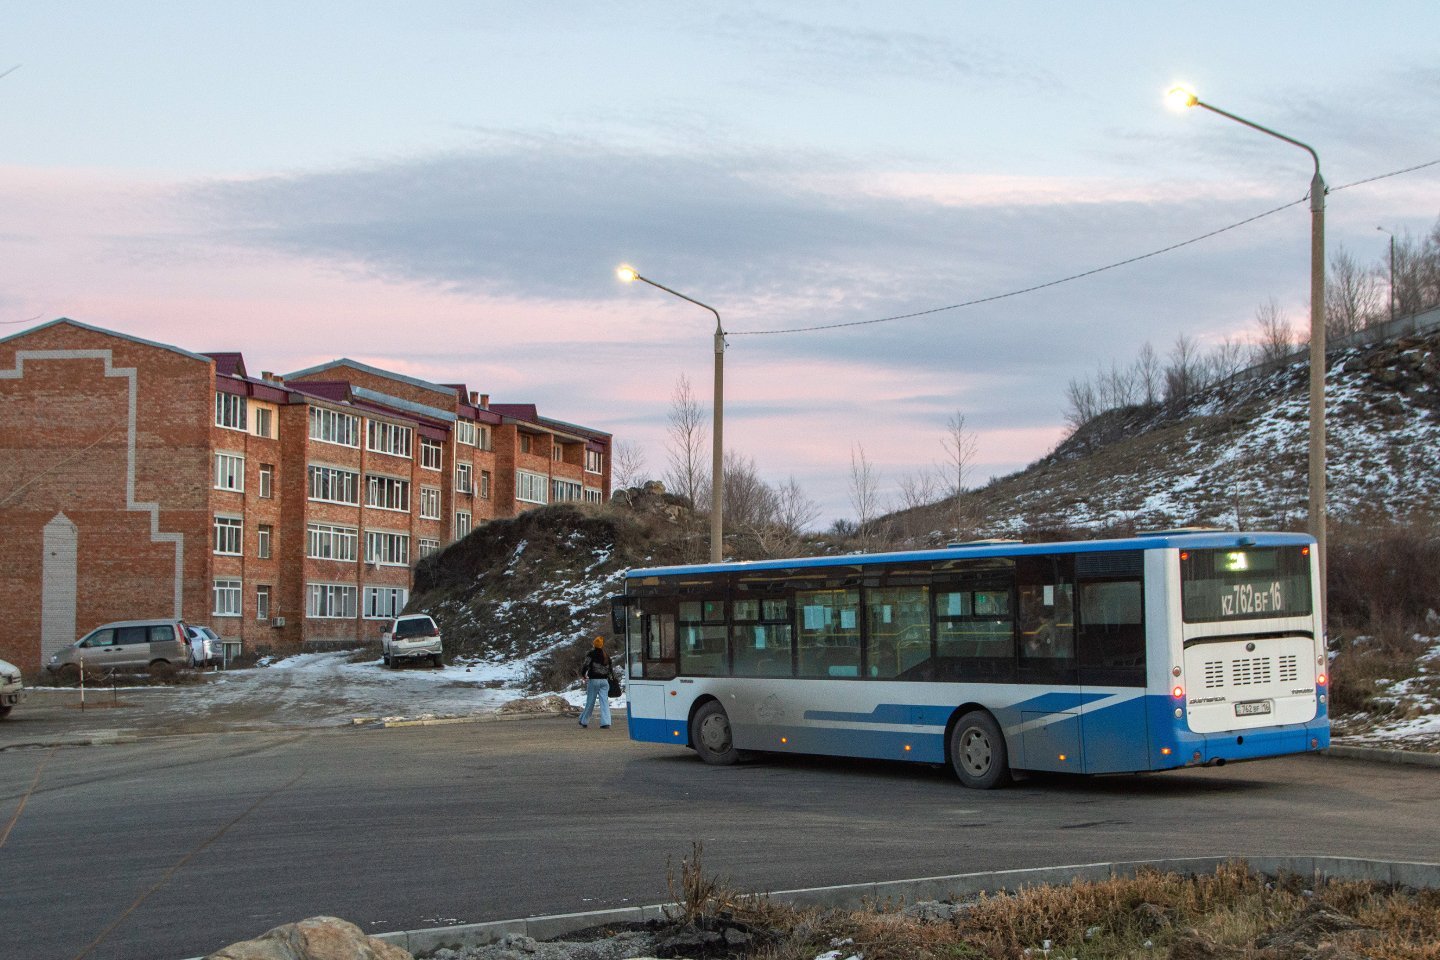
x,y
659,646
1112,633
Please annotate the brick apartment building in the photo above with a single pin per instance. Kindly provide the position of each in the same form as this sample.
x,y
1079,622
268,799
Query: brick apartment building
x,y
139,479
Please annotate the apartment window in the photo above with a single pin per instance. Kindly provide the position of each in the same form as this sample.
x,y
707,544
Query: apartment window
x,y
424,547
465,432
262,603
388,438
594,461
229,411
387,493
330,601
432,454
484,484
382,603
593,496
557,452
226,596
229,535
482,437
463,473
229,472
562,490
462,523
264,421
332,426
324,542
334,485
267,481
387,549
429,503
263,536
525,441
529,487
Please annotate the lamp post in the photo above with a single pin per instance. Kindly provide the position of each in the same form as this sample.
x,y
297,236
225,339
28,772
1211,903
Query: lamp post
x,y
1182,97
717,462
1392,271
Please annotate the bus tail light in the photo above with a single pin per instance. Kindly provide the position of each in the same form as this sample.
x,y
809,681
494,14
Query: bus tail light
x,y
1178,693
1321,680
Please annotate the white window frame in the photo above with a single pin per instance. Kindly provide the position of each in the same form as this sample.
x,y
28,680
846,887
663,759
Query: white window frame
x,y
331,601
229,536
334,426
465,432
230,411
483,438
267,481
432,454
381,436
264,421
464,478
328,478
383,603
426,546
264,541
230,472
324,541
463,523
262,601
429,503
531,487
387,493
387,549
565,491
226,597
594,461
594,496
484,484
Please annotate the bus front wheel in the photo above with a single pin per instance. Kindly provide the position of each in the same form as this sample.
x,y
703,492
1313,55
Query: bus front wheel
x,y
977,752
710,735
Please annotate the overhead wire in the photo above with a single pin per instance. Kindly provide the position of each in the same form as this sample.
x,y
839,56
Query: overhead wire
x,y
1076,276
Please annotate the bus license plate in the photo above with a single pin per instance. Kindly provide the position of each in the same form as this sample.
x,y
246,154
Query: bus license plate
x,y
1252,708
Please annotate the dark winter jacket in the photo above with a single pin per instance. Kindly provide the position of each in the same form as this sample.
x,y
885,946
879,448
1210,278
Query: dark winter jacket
x,y
596,665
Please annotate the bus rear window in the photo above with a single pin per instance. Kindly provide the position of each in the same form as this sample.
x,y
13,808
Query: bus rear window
x,y
1250,583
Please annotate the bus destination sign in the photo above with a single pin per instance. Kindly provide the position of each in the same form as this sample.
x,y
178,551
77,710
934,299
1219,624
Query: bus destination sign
x,y
1245,584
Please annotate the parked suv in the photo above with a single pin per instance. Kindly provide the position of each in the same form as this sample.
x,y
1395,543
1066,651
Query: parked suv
x,y
411,637
12,688
126,645
205,646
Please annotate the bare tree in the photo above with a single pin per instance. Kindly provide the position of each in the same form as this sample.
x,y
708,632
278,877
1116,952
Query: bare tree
x,y
795,513
627,465
1182,370
1229,357
749,501
960,445
1276,341
919,489
864,492
1148,375
1081,404
686,447
1117,386
1352,296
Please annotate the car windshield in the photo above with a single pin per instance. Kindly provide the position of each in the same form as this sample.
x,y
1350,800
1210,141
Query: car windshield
x,y
417,627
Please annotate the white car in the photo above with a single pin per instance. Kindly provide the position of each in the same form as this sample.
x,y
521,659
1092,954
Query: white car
x,y
411,637
204,645
12,688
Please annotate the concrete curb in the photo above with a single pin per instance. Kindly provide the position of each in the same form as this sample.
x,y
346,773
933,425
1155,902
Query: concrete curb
x,y
1417,875
1380,755
380,724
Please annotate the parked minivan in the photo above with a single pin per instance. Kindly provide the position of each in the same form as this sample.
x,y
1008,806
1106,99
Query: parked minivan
x,y
126,645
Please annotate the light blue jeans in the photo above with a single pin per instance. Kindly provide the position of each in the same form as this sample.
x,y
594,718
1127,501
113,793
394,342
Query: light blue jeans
x,y
596,690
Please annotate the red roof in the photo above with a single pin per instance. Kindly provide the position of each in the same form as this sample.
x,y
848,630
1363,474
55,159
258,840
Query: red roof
x,y
228,364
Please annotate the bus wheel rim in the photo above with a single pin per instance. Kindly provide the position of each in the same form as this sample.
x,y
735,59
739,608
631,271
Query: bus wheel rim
x,y
715,734
975,751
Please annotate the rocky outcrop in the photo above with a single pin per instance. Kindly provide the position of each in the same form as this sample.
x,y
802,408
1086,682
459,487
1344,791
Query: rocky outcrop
x,y
318,938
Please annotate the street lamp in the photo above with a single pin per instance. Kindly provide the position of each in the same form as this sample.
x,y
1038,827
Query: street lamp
x,y
717,465
1392,271
1182,97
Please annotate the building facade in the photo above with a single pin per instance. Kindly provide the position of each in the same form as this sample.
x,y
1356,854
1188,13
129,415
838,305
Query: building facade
x,y
139,479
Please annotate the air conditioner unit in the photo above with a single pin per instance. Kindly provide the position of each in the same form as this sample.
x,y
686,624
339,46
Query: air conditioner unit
x,y
277,621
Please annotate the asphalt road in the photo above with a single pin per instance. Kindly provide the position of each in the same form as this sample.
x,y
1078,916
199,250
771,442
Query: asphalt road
x,y
171,848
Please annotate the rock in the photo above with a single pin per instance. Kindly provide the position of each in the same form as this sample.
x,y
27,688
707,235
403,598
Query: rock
x,y
1151,917
318,938
550,703
932,911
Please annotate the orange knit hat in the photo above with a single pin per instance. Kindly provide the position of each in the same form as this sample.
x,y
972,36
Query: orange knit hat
x,y
599,641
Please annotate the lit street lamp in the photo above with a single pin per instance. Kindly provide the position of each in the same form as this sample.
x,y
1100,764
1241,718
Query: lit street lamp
x,y
1182,97
717,464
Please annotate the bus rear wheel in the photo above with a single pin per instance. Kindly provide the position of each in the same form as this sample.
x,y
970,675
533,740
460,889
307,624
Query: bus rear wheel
x,y
710,735
977,752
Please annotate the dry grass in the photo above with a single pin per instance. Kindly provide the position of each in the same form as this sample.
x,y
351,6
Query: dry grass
x,y
1156,916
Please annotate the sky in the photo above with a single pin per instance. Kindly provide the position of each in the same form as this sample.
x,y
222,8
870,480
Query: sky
x,y
445,189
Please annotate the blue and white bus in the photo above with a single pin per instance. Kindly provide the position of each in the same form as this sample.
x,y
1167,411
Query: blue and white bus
x,y
1165,650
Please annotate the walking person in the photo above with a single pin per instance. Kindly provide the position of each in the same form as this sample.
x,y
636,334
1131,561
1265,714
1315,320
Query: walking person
x,y
595,671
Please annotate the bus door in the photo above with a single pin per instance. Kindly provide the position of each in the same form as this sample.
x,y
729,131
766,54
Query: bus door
x,y
650,648
1050,711
1110,647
